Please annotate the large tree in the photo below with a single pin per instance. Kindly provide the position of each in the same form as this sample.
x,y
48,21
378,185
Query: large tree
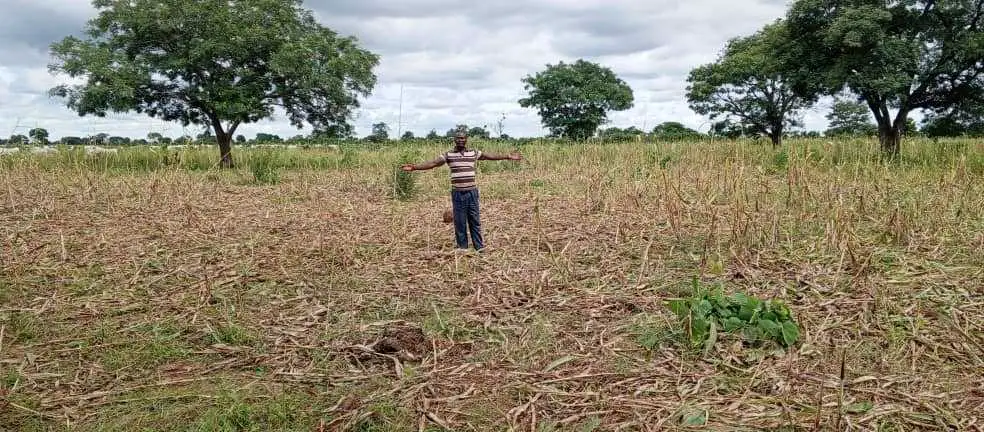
x,y
573,99
731,129
215,63
897,55
380,132
960,121
850,118
674,131
619,134
39,136
334,132
746,86
453,131
479,132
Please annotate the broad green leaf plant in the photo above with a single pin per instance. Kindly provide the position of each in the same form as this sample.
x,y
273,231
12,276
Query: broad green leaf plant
x,y
760,322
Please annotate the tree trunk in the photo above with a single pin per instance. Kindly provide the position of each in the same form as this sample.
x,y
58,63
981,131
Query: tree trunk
x,y
891,142
224,138
889,131
890,135
776,137
225,149
774,132
776,140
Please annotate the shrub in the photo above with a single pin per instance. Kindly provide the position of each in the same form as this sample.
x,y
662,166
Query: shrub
x,y
760,322
264,168
404,186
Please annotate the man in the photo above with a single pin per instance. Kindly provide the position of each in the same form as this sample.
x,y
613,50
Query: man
x,y
464,189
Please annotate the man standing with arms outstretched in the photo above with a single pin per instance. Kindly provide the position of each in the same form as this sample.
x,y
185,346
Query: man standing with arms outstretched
x,y
464,189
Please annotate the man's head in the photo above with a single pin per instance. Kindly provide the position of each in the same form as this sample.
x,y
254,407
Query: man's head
x,y
460,140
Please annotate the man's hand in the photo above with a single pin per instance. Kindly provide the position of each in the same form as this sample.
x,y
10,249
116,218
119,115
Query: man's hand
x,y
498,156
431,164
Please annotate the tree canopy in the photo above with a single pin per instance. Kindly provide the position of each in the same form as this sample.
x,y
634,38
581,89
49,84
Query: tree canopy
x,y
479,132
746,85
217,63
573,99
38,136
968,121
674,131
901,55
380,132
850,118
619,134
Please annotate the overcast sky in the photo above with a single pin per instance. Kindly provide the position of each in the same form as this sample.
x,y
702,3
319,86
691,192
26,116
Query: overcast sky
x,y
458,61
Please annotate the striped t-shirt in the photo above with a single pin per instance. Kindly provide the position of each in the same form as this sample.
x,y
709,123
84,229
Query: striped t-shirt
x,y
462,166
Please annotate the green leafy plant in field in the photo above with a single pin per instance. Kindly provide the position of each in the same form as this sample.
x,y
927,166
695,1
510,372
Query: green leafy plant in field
x,y
404,185
780,162
264,168
349,158
708,312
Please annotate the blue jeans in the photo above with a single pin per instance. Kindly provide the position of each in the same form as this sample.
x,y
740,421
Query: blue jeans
x,y
466,218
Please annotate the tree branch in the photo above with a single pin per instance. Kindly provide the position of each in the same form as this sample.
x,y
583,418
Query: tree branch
x,y
235,124
977,16
875,104
929,5
918,97
216,122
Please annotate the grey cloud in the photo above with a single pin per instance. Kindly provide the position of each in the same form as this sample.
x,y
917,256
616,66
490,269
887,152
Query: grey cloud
x,y
460,62
438,75
438,104
383,8
480,12
20,54
587,45
31,28
383,38
602,30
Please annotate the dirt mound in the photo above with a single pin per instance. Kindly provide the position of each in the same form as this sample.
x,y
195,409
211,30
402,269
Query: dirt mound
x,y
402,340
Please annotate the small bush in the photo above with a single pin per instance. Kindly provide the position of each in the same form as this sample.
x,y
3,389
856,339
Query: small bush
x,y
349,158
404,185
234,335
264,168
760,322
665,161
780,162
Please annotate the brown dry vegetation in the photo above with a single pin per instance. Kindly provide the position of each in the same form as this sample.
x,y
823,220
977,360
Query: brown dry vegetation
x,y
182,300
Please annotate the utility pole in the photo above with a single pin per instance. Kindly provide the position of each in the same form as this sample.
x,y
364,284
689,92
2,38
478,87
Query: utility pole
x,y
399,122
645,118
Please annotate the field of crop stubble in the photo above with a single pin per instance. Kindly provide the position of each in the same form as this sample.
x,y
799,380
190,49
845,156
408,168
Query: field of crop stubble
x,y
148,292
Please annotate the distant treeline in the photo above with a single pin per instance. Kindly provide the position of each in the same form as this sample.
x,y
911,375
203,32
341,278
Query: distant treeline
x,y
667,131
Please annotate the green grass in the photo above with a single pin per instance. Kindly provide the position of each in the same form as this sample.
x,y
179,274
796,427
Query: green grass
x,y
820,152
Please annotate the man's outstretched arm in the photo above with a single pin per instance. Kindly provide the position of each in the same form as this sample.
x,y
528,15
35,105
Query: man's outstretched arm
x,y
434,163
495,157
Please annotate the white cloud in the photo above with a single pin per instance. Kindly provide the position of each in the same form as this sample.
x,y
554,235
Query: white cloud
x,y
458,61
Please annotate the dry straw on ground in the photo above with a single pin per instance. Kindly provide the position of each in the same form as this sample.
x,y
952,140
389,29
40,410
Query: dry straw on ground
x,y
173,299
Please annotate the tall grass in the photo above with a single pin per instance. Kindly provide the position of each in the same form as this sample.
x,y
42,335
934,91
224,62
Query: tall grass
x,y
147,159
917,153
404,186
263,166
